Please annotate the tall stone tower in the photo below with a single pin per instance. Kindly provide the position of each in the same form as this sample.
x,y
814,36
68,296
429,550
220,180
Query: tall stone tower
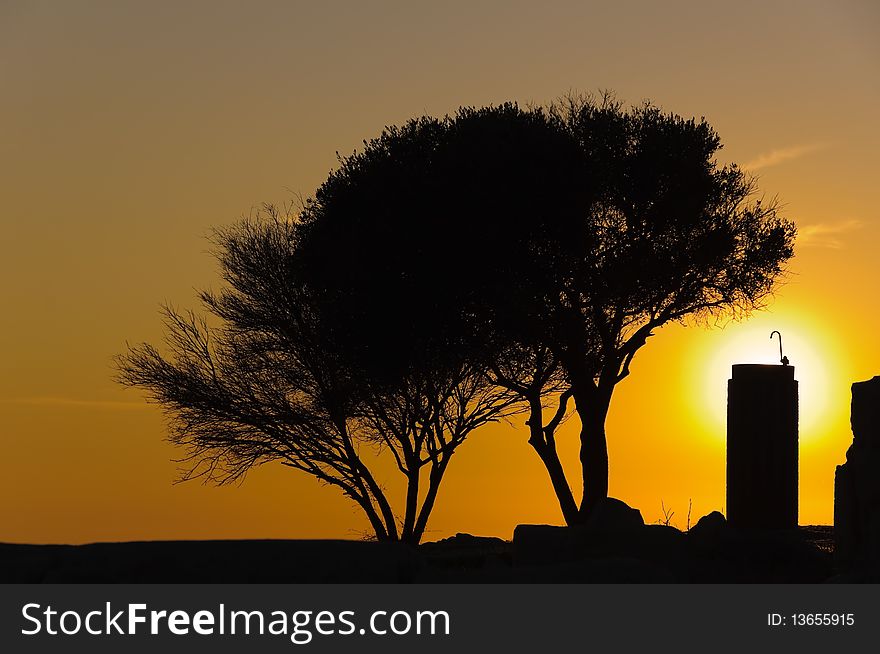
x,y
762,447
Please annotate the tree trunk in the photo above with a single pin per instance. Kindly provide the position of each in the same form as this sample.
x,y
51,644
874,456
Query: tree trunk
x,y
381,500
560,484
592,408
412,503
378,527
545,447
434,478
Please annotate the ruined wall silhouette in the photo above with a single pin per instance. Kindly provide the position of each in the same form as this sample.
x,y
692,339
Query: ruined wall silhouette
x,y
857,484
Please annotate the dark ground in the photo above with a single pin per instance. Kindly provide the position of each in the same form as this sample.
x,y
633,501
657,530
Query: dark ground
x,y
711,551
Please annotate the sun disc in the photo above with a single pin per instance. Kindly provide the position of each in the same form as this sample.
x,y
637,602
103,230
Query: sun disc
x,y
805,346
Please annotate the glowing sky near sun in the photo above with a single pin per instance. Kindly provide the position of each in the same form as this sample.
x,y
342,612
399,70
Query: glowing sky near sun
x,y
130,129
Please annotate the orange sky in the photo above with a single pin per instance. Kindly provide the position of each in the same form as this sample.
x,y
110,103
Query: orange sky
x,y
129,131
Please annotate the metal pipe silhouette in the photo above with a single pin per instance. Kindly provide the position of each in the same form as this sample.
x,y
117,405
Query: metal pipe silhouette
x,y
782,359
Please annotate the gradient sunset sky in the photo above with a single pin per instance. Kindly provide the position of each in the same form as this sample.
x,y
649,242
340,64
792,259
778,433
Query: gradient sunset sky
x,y
130,129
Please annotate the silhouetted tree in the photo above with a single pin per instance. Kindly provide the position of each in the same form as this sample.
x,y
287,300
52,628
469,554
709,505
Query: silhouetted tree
x,y
669,236
456,229
564,237
277,381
